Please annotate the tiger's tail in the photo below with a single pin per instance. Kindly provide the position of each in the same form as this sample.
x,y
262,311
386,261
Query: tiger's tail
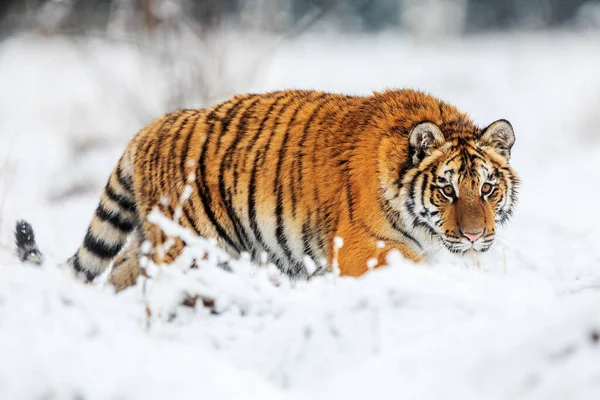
x,y
114,220
27,248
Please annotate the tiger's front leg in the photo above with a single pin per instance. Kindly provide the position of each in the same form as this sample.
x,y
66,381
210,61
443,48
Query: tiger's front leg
x,y
361,250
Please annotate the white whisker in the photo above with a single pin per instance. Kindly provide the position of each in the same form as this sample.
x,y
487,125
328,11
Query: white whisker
x,y
503,240
435,246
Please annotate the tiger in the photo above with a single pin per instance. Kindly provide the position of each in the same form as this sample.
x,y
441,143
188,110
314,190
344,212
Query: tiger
x,y
286,173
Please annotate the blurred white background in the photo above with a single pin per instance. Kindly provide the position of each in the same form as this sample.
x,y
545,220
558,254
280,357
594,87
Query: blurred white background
x,y
78,78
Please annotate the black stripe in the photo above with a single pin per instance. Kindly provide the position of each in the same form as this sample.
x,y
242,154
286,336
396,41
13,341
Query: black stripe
x,y
142,164
473,157
240,132
154,161
454,157
300,154
267,146
172,159
307,126
278,184
258,162
252,182
155,181
316,222
125,182
79,268
236,175
170,163
251,142
318,219
320,235
411,194
373,234
419,223
186,146
293,182
424,184
331,219
477,151
297,268
123,202
205,194
228,119
315,215
99,247
397,227
76,263
116,220
349,197
162,169
236,151
306,240
416,221
236,223
184,169
191,221
257,134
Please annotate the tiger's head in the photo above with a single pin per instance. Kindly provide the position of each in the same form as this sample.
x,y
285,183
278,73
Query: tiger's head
x,y
460,185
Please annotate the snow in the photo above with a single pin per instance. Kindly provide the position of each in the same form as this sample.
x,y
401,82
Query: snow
x,y
520,322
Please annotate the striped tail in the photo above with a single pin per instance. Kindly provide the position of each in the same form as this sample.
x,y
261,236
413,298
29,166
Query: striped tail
x,y
115,218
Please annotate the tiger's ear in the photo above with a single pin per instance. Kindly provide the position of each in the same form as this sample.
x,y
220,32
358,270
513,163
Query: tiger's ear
x,y
500,136
423,138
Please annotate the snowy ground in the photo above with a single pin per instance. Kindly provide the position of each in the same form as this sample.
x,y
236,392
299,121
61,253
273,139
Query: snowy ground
x,y
524,325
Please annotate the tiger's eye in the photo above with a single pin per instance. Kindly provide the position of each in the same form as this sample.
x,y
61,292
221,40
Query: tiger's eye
x,y
486,188
448,190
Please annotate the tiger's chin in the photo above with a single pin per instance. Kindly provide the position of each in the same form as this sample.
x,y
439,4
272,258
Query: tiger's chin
x,y
463,247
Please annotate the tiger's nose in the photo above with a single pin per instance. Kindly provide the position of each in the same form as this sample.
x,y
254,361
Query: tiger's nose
x,y
472,236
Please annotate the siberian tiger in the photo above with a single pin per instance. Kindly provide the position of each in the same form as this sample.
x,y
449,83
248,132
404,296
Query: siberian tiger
x,y
286,172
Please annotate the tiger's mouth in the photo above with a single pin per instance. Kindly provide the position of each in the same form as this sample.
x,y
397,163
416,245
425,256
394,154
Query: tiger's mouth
x,y
462,246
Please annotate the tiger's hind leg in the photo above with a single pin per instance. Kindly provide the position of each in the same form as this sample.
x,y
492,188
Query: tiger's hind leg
x,y
127,269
